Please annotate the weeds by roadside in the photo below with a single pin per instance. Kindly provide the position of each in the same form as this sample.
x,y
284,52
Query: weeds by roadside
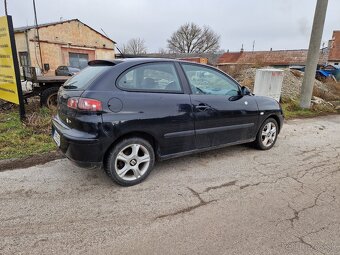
x,y
21,139
292,109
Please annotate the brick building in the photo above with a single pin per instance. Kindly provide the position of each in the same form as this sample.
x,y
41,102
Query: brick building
x,y
69,43
334,49
199,60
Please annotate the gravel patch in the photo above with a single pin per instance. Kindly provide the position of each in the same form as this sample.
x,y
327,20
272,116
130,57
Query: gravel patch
x,y
292,81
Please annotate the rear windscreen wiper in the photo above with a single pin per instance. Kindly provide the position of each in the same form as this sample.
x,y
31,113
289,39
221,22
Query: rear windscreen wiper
x,y
69,87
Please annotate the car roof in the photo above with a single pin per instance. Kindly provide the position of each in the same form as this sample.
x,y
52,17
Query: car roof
x,y
132,60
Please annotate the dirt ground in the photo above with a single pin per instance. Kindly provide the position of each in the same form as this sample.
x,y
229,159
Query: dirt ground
x,y
26,162
235,200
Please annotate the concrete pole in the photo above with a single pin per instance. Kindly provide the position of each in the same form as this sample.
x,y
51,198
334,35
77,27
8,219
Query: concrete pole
x,y
313,53
5,3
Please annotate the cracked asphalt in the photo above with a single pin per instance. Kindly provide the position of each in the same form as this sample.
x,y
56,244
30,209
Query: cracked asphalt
x,y
236,200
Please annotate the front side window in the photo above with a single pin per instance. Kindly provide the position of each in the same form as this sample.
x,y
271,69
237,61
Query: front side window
x,y
206,81
153,77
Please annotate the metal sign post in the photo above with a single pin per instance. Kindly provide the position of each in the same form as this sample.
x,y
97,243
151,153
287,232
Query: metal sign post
x,y
10,85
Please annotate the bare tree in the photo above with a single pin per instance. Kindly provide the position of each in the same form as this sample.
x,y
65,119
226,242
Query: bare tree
x,y
191,38
135,46
163,51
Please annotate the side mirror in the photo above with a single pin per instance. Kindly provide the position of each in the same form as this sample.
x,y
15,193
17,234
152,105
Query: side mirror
x,y
245,91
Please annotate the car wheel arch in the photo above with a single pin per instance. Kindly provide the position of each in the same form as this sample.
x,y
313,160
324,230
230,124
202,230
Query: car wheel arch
x,y
276,118
151,139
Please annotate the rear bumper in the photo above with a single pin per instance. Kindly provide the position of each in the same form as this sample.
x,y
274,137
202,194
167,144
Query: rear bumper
x,y
83,149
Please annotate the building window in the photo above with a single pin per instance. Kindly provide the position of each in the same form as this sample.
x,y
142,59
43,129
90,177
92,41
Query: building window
x,y
24,63
23,58
78,60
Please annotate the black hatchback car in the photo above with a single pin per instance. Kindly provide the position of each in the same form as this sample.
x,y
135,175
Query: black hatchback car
x,y
125,114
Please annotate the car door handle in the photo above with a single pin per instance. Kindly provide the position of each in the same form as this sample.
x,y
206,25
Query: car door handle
x,y
202,107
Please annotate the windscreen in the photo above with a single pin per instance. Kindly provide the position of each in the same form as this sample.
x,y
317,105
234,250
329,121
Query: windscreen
x,y
81,80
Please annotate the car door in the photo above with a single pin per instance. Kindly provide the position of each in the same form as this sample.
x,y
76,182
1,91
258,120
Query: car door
x,y
221,114
154,101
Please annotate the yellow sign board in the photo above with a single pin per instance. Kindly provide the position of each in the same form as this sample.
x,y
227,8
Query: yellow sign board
x,y
8,65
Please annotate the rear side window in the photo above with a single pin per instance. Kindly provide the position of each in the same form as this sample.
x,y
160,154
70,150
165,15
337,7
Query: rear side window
x,y
153,77
85,77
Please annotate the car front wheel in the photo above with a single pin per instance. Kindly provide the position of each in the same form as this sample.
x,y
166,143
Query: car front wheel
x,y
130,161
267,135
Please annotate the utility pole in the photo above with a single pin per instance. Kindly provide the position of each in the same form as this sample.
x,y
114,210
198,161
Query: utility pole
x,y
313,53
38,37
5,3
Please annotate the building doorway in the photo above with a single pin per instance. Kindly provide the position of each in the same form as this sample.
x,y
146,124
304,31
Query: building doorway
x,y
78,60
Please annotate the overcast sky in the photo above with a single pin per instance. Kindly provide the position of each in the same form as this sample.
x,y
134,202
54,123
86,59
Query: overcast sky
x,y
277,24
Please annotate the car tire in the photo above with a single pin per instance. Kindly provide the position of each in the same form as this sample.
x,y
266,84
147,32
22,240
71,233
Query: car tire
x,y
49,97
130,161
267,135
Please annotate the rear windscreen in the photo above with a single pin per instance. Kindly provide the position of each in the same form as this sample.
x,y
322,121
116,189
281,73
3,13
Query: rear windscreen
x,y
83,78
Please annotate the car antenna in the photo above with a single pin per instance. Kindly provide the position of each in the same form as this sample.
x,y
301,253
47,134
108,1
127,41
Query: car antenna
x,y
121,53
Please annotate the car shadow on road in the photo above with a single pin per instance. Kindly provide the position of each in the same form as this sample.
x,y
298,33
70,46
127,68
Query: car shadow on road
x,y
98,176
201,158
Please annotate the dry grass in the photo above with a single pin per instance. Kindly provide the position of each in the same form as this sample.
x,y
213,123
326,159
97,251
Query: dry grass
x,y
296,73
321,93
248,82
334,88
234,71
332,93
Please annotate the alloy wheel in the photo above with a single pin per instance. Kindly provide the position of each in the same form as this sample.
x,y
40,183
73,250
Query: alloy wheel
x,y
268,134
132,162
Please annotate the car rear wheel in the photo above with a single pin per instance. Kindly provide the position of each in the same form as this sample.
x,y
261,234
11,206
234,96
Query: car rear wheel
x,y
130,161
267,135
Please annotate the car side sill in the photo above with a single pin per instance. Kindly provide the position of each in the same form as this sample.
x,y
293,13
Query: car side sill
x,y
207,130
221,129
185,153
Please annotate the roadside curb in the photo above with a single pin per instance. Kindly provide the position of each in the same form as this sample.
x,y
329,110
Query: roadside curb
x,y
16,163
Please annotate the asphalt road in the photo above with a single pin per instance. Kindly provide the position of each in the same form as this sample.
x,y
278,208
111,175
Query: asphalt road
x,y
231,201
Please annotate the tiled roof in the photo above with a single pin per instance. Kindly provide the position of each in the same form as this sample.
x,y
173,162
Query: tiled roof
x,y
25,28
279,57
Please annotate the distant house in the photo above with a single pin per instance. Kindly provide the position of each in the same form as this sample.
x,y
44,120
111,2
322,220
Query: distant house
x,y
199,60
277,58
334,49
63,43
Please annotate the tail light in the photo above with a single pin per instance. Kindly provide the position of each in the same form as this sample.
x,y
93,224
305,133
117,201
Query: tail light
x,y
85,104
72,103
